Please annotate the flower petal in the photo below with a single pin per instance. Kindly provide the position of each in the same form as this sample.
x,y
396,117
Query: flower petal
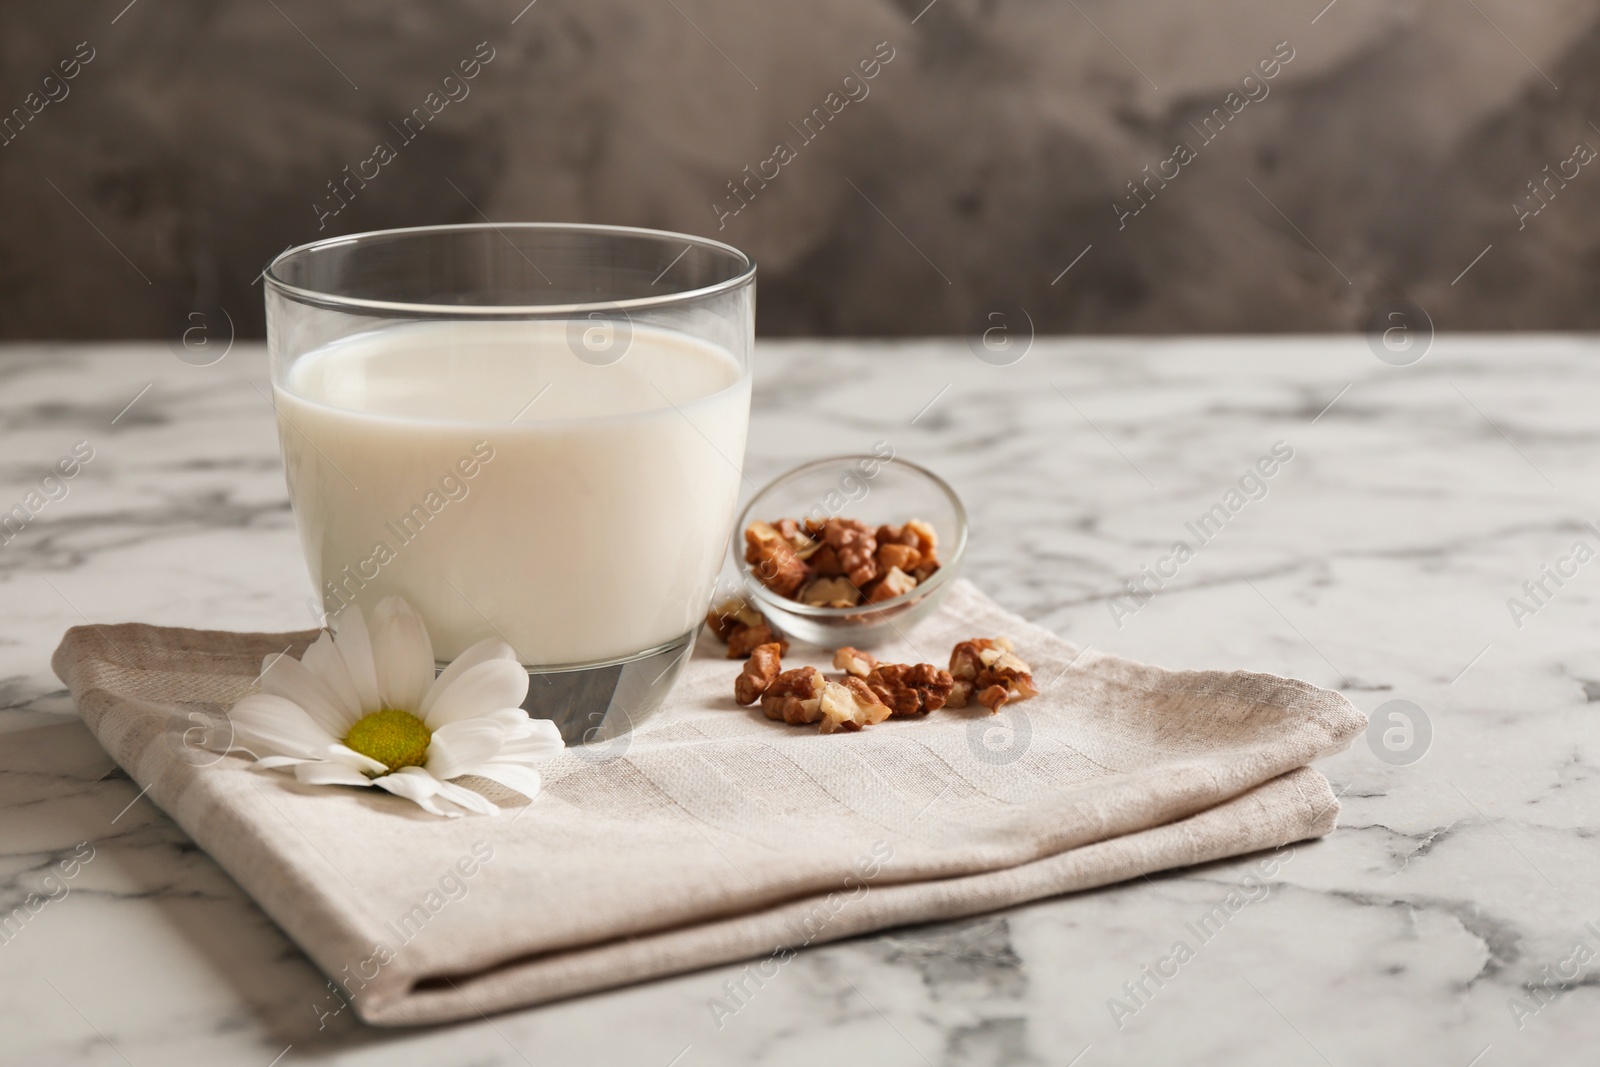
x,y
478,691
272,726
524,742
284,676
273,763
519,723
324,661
462,743
419,789
329,773
513,776
466,798
351,758
487,649
402,653
354,644
534,742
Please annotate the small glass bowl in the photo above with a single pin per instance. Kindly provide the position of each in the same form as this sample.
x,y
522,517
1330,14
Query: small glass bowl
x,y
876,491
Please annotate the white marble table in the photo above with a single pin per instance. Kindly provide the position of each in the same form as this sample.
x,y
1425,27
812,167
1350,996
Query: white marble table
x,y
1379,562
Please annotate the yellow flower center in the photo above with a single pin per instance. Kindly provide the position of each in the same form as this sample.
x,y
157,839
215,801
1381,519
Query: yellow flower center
x,y
394,738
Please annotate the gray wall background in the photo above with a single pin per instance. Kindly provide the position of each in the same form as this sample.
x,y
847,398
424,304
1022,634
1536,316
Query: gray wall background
x,y
1393,149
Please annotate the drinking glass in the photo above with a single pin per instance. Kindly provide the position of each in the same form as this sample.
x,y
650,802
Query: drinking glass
x,y
530,431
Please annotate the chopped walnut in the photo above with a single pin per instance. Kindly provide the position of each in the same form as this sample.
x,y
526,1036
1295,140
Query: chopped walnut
x,y
895,582
1010,671
824,562
830,593
854,661
856,547
805,546
742,628
994,696
790,557
910,689
960,693
759,673
794,696
927,540
758,537
966,659
746,639
985,665
790,531
850,706
801,682
898,557
731,614
964,662
774,560
793,710
895,535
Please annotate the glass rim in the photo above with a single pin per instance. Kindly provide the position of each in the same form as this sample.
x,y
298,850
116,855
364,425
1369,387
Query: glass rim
x,y
744,276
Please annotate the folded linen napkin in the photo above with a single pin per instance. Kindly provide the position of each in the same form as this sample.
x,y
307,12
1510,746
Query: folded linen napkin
x,y
712,834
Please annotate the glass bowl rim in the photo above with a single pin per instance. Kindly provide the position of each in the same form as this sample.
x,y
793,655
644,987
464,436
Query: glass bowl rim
x,y
744,275
860,614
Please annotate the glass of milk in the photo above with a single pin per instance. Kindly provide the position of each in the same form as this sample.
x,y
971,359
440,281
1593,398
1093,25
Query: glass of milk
x,y
530,431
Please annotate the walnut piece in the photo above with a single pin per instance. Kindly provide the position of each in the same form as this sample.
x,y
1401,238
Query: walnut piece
x,y
960,693
971,656
964,661
746,639
856,547
732,613
910,689
849,706
805,546
824,562
790,531
794,696
774,560
898,557
854,661
991,669
1010,671
895,582
895,535
993,697
741,627
759,673
830,593
927,540
917,535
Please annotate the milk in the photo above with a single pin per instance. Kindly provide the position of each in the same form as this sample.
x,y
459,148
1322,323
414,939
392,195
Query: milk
x,y
507,488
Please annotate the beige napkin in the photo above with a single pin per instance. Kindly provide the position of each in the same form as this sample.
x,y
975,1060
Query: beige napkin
x,y
712,834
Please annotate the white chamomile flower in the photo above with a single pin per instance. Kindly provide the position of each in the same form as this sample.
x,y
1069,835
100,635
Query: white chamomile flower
x,y
365,709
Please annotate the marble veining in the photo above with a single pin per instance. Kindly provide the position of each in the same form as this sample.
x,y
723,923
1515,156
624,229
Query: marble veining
x,y
1004,155
1440,924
